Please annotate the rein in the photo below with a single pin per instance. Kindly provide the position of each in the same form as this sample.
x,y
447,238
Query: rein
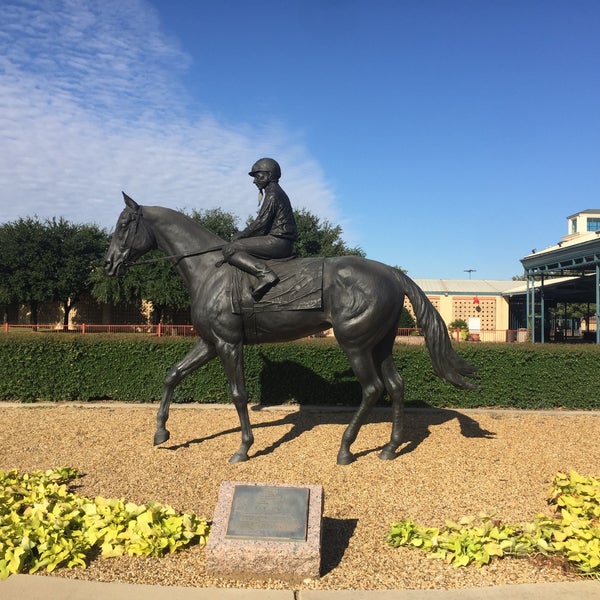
x,y
148,261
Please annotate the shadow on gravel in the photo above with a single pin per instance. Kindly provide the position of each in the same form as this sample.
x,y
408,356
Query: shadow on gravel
x,y
418,422
417,427
287,381
336,538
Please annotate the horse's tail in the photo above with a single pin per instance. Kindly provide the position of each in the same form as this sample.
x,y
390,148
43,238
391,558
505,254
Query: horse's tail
x,y
447,364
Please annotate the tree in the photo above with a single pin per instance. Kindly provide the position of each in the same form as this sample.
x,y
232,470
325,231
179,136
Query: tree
x,y
317,237
399,268
164,288
160,284
75,250
222,223
320,238
48,262
564,311
23,275
406,321
157,282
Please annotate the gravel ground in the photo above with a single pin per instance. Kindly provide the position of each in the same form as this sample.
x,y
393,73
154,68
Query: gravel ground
x,y
452,464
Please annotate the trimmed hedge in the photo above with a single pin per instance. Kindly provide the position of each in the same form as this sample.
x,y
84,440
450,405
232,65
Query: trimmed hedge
x,y
57,367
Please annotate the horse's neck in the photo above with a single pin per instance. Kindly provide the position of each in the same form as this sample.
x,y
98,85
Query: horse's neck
x,y
177,234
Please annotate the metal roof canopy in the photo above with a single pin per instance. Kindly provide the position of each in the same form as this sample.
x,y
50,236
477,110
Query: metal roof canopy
x,y
583,259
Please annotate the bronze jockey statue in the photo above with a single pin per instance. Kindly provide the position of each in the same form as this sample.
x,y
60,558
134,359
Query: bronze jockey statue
x,y
271,235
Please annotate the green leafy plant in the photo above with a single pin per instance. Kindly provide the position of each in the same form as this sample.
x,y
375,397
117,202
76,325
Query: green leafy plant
x,y
572,534
459,324
577,500
43,525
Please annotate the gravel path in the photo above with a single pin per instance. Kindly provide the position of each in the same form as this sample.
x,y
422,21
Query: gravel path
x,y
452,464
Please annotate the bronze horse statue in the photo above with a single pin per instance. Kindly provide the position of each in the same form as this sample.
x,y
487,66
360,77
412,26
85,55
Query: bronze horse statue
x,y
361,301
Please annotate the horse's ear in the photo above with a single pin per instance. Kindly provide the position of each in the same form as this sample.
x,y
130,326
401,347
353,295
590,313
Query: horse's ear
x,y
130,202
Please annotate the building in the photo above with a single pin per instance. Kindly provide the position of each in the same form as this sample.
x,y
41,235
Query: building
x,y
500,310
485,305
494,310
565,273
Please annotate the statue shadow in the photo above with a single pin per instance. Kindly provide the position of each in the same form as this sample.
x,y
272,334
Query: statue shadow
x,y
280,382
288,381
336,535
420,417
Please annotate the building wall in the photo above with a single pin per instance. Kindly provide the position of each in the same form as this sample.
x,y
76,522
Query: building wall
x,y
492,310
577,224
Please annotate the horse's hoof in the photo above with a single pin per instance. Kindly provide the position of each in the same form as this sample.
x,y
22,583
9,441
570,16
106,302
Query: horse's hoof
x,y
239,457
387,454
161,436
345,458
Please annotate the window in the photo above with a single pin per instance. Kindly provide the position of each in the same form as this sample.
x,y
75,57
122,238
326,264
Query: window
x,y
593,224
573,225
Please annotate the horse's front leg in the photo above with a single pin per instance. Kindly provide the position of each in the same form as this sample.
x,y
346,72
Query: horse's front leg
x,y
200,354
232,358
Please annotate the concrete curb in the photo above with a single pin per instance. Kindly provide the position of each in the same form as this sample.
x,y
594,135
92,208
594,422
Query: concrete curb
x,y
36,587
584,590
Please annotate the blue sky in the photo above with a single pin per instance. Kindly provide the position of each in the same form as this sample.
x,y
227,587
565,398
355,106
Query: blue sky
x,y
442,135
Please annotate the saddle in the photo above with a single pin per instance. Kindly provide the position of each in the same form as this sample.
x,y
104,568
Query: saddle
x,y
300,287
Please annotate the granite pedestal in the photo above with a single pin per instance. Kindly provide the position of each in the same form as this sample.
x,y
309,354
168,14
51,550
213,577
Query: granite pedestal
x,y
266,531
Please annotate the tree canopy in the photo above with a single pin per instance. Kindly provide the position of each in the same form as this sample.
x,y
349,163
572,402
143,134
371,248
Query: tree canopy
x,y
221,222
23,275
320,238
57,261
160,284
48,261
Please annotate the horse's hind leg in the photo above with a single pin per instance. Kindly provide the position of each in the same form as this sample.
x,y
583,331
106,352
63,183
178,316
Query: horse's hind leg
x,y
394,385
364,368
200,354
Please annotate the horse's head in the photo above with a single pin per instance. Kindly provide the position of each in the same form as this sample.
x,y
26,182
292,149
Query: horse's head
x,y
130,240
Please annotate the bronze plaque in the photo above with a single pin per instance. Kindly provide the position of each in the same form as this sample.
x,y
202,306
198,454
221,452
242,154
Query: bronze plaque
x,y
263,512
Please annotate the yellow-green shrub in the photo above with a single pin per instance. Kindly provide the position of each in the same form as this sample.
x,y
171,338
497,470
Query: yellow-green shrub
x,y
572,534
44,525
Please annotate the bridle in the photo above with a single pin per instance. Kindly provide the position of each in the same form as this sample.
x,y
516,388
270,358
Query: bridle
x,y
132,232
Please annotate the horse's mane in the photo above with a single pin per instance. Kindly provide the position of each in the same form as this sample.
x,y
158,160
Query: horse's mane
x,y
190,225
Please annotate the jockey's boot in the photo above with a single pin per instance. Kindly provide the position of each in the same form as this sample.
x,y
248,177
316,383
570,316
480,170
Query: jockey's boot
x,y
254,266
266,281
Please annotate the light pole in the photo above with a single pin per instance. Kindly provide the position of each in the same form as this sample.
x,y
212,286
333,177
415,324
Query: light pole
x,y
469,271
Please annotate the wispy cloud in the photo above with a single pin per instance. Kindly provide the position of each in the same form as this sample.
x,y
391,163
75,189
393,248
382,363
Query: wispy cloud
x,y
91,102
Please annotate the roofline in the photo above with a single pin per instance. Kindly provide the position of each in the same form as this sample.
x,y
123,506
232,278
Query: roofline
x,y
584,212
575,256
458,287
521,290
